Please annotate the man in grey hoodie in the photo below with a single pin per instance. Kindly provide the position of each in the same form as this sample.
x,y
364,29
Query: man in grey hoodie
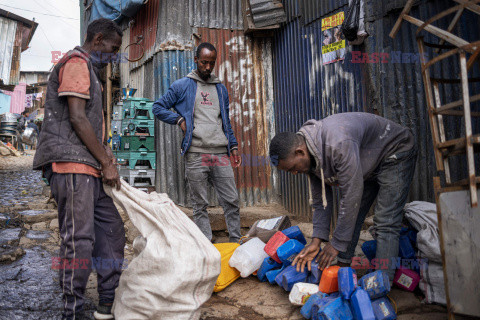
x,y
367,157
202,107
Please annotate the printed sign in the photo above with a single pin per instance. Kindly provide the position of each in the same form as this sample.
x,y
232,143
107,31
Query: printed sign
x,y
333,41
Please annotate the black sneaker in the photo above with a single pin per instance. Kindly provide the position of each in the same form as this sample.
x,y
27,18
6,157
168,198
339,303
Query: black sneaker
x,y
104,312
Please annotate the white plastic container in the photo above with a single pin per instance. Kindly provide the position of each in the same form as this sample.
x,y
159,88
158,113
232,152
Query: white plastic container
x,y
301,292
248,257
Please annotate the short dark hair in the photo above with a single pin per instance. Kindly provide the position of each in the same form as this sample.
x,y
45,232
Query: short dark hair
x,y
283,144
107,27
204,45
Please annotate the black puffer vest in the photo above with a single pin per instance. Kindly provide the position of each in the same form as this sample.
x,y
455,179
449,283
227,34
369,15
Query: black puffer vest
x,y
58,142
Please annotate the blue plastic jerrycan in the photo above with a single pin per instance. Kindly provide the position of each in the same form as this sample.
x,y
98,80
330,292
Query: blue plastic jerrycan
x,y
383,309
287,251
336,309
295,233
272,275
405,249
306,310
315,273
321,302
279,277
376,284
347,282
291,276
361,305
369,248
267,265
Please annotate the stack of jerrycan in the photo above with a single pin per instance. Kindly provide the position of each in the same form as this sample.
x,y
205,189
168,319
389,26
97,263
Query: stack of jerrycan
x,y
281,249
133,142
339,297
407,275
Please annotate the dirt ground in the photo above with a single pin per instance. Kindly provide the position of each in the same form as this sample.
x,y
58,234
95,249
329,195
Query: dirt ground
x,y
29,239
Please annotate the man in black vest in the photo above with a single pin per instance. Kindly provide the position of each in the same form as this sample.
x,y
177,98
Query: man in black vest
x,y
75,159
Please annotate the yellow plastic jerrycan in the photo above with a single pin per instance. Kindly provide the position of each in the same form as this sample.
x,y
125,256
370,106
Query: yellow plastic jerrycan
x,y
227,273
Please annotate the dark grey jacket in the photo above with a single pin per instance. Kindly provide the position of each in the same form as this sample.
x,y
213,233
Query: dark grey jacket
x,y
347,148
58,142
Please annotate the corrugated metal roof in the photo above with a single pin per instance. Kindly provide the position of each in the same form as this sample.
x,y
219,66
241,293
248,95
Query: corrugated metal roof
x,y
8,30
267,12
216,14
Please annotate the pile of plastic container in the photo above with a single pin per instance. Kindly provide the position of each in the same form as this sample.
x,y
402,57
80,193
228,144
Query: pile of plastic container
x,y
334,293
407,275
365,300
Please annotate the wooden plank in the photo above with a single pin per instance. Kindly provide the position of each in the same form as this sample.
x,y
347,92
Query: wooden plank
x,y
472,59
441,57
468,129
441,128
470,5
431,107
439,16
442,34
456,104
398,23
456,142
452,25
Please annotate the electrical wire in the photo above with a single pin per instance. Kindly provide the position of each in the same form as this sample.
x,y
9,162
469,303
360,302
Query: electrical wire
x,y
50,15
46,36
68,24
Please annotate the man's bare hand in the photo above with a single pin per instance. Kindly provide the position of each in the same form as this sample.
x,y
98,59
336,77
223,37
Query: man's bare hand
x,y
306,256
183,126
328,254
110,175
236,160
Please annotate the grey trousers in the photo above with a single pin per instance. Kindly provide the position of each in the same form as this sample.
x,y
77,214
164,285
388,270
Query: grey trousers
x,y
92,236
201,168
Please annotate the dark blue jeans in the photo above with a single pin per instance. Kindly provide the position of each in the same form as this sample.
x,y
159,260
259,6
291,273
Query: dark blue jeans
x,y
390,185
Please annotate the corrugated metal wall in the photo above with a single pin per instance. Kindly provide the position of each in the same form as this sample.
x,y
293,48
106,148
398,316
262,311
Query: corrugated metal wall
x,y
144,29
8,30
305,89
216,14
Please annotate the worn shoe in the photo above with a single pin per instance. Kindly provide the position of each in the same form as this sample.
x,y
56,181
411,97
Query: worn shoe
x,y
104,312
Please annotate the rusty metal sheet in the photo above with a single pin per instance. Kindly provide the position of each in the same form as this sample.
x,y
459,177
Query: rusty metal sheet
x,y
267,12
8,30
240,68
143,30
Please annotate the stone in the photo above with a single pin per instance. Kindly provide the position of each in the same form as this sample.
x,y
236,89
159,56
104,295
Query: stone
x,y
10,254
54,224
38,235
34,216
46,191
39,226
369,221
9,236
131,231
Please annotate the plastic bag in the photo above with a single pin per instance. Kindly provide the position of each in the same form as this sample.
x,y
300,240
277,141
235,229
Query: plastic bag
x,y
177,267
351,23
266,228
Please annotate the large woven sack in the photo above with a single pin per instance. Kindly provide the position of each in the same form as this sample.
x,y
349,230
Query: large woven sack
x,y
176,271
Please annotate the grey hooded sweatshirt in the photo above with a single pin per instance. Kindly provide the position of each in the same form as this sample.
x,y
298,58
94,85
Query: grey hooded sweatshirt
x,y
347,148
208,135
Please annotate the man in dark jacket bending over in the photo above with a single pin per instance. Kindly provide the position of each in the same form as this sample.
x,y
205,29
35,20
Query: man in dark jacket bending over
x,y
367,157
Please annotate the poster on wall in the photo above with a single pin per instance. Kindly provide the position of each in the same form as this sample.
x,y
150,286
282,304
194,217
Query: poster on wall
x,y
333,40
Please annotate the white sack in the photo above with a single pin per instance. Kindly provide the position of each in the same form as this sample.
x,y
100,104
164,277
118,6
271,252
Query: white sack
x,y
423,217
176,271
